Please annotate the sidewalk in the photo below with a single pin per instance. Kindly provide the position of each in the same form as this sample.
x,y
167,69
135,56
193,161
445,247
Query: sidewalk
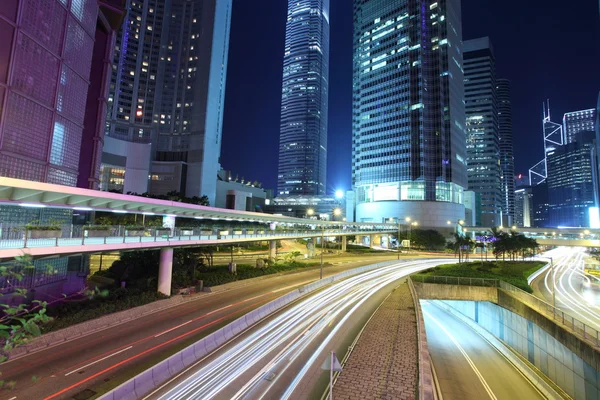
x,y
383,364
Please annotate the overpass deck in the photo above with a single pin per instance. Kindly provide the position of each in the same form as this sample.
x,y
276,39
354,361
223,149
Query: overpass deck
x,y
10,248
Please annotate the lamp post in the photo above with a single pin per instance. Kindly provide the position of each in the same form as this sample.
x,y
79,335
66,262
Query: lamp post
x,y
414,223
322,244
398,241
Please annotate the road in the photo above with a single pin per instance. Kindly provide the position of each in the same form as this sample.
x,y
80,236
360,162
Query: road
x,y
281,357
94,363
466,365
576,293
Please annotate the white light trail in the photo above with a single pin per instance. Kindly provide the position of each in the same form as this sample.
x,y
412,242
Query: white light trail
x,y
274,345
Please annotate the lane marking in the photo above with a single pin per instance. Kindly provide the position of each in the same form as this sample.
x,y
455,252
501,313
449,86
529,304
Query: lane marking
x,y
464,353
89,378
97,361
13,398
173,328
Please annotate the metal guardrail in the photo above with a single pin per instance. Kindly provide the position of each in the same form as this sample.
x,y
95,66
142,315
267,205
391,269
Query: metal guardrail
x,y
454,280
74,235
579,328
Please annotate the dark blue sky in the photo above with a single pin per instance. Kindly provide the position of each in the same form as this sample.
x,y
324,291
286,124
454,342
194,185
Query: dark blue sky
x,y
547,48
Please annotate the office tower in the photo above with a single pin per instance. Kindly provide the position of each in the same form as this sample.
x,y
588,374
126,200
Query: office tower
x,y
303,129
507,159
46,55
167,98
571,181
408,114
553,138
578,121
483,141
523,207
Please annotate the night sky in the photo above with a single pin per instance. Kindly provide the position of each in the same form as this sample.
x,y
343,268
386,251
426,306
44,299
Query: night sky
x,y
546,48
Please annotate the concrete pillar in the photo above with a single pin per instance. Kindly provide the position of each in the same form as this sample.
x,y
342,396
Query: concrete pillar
x,y
371,241
165,270
344,242
272,249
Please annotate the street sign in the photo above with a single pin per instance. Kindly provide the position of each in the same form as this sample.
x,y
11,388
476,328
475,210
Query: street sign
x,y
337,367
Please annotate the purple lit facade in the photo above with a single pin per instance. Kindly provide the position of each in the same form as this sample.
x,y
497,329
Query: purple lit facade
x,y
45,60
54,71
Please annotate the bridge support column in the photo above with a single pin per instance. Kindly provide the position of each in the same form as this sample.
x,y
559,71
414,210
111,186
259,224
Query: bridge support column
x,y
165,271
272,249
344,239
371,241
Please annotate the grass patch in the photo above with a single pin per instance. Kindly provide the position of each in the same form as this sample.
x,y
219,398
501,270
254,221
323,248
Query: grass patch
x,y
75,312
513,272
219,274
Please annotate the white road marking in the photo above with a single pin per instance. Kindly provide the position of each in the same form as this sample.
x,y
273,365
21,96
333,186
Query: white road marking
x,y
172,329
464,353
97,361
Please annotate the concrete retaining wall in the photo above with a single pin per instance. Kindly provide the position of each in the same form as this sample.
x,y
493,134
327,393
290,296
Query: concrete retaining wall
x,y
584,349
563,366
155,376
426,383
548,389
436,291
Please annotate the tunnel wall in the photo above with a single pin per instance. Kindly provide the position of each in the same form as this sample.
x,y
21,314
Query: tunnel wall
x,y
569,371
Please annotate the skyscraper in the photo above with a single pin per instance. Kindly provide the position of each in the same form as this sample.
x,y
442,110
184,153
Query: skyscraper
x,y
408,133
483,140
578,121
507,159
167,97
571,181
303,130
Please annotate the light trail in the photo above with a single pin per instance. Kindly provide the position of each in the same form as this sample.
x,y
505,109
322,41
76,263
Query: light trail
x,y
572,296
251,366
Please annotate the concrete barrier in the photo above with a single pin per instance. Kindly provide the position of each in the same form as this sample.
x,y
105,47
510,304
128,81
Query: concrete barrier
x,y
174,364
537,273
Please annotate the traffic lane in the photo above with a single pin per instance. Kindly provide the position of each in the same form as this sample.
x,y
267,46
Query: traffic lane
x,y
574,293
206,375
278,377
49,363
134,356
467,366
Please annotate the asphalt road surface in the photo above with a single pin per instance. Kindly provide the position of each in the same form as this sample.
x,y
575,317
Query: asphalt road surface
x,y
86,366
467,366
281,358
577,294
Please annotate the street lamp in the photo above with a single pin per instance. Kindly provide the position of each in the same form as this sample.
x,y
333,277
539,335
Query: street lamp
x,y
337,212
310,212
322,247
339,194
415,223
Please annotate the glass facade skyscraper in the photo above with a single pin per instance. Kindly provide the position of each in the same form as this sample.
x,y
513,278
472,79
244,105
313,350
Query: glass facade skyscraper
x,y
571,186
167,97
483,140
507,159
303,130
578,121
408,134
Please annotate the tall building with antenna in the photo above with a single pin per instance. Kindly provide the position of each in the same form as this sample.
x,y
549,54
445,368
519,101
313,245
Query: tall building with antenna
x,y
303,129
553,137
